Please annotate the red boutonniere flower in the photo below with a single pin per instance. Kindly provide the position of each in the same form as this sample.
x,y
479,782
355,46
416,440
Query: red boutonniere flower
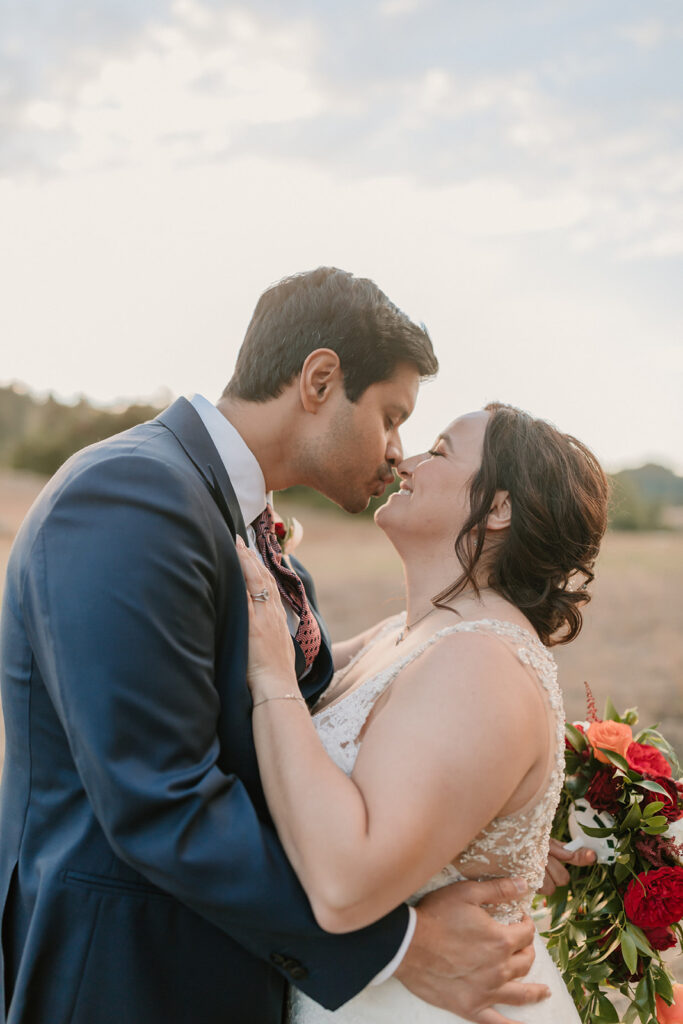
x,y
289,534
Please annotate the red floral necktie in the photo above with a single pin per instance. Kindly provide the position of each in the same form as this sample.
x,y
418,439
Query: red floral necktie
x,y
288,583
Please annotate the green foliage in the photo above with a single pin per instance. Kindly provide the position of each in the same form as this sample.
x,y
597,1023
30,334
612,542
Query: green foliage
x,y
599,951
655,483
40,436
630,508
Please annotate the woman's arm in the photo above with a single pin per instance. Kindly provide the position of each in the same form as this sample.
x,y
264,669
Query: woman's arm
x,y
451,744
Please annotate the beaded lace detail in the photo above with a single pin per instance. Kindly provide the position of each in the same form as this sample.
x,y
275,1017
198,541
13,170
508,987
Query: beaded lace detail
x,y
513,844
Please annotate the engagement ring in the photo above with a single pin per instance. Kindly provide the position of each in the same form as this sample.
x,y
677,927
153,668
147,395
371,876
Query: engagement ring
x,y
263,595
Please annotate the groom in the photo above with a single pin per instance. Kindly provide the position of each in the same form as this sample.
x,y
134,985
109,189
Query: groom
x,y
141,880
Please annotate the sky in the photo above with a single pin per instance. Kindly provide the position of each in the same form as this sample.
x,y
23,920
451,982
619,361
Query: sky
x,y
510,172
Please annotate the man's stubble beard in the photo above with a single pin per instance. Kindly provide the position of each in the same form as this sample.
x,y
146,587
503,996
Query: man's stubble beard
x,y
328,461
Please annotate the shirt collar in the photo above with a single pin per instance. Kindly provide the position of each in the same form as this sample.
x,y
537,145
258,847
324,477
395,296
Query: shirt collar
x,y
240,462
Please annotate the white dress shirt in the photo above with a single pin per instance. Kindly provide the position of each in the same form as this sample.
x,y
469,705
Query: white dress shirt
x,y
249,486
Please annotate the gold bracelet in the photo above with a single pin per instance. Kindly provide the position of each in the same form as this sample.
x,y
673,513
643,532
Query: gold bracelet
x,y
285,696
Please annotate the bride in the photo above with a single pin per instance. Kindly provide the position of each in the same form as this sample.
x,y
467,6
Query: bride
x,y
437,752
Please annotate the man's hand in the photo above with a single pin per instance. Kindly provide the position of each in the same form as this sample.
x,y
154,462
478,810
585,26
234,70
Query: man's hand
x,y
464,961
556,875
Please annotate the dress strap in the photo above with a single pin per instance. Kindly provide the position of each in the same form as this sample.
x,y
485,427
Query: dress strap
x,y
492,627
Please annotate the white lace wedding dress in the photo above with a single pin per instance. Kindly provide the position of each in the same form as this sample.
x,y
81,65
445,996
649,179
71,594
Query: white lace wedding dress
x,y
516,844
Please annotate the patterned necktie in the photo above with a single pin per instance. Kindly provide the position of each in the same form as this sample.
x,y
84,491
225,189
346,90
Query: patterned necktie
x,y
288,583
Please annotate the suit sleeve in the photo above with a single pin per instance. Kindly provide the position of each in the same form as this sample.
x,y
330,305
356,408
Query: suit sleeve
x,y
120,600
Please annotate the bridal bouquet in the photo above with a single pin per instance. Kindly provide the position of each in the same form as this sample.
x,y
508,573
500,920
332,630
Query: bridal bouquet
x,y
611,924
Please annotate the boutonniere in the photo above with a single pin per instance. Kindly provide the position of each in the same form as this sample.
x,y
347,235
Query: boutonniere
x,y
289,533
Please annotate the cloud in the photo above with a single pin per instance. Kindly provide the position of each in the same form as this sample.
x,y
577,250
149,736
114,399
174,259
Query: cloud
x,y
397,8
196,73
645,34
425,89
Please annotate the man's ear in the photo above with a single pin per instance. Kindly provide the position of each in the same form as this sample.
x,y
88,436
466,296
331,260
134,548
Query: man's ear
x,y
320,376
500,514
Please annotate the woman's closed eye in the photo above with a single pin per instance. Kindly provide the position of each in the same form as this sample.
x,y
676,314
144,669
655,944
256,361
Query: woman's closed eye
x,y
435,451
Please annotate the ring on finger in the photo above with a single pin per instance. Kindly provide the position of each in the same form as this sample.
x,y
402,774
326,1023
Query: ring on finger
x,y
263,595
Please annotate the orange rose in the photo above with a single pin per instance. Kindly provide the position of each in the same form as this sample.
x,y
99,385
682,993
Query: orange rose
x,y
611,735
671,1014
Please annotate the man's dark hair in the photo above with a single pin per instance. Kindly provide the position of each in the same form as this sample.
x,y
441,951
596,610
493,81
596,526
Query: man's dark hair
x,y
326,308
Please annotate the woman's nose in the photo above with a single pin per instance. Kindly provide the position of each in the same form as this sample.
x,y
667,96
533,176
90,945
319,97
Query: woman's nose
x,y
409,465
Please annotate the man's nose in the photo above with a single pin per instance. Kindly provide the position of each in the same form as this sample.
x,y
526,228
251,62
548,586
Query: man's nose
x,y
394,453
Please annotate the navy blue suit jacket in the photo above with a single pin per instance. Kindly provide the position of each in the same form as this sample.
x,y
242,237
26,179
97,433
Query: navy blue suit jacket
x,y
141,879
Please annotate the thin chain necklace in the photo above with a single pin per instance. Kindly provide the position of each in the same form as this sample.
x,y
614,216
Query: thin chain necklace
x,y
403,632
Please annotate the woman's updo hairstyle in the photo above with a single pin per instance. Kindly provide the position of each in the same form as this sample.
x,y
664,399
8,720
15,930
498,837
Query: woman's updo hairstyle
x,y
544,562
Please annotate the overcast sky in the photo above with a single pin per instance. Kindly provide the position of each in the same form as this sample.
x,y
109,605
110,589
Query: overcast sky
x,y
510,173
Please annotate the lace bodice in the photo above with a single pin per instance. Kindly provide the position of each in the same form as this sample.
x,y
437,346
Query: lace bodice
x,y
514,844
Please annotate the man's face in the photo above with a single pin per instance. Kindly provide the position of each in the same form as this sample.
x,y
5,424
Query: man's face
x,y
361,443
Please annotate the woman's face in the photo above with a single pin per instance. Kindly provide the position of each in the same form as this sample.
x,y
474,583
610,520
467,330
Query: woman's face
x,y
434,497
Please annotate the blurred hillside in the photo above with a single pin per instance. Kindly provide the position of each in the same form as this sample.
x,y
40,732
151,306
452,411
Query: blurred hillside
x,y
38,435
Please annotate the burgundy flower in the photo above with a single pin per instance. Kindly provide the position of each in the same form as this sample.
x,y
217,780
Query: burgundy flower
x,y
657,851
660,938
280,530
603,792
672,809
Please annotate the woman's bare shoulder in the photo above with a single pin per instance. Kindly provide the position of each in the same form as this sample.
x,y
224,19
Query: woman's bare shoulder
x,y
472,666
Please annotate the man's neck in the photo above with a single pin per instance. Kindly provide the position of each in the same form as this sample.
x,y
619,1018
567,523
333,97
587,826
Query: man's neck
x,y
267,430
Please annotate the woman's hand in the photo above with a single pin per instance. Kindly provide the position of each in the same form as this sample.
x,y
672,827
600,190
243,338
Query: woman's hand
x,y
270,671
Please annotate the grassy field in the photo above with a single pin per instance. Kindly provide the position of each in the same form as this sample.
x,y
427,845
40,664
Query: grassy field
x,y
631,646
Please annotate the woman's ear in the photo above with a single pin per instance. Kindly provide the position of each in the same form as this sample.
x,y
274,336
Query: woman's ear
x,y
320,374
500,514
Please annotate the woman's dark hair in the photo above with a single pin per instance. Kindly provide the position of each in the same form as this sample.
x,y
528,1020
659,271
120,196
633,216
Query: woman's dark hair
x,y
558,493
326,308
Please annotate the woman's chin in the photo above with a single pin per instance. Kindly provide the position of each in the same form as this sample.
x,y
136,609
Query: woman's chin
x,y
386,515
382,514
379,516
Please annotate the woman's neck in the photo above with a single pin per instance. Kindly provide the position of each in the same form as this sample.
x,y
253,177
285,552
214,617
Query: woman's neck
x,y
427,576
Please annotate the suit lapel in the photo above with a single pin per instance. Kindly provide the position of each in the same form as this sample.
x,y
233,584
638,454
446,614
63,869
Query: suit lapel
x,y
185,424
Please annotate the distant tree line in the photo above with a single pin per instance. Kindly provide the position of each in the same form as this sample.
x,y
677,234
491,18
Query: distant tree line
x,y
39,435
640,497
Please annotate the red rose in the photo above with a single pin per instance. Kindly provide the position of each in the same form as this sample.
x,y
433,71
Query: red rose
x,y
647,760
280,530
603,792
672,808
660,938
655,898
